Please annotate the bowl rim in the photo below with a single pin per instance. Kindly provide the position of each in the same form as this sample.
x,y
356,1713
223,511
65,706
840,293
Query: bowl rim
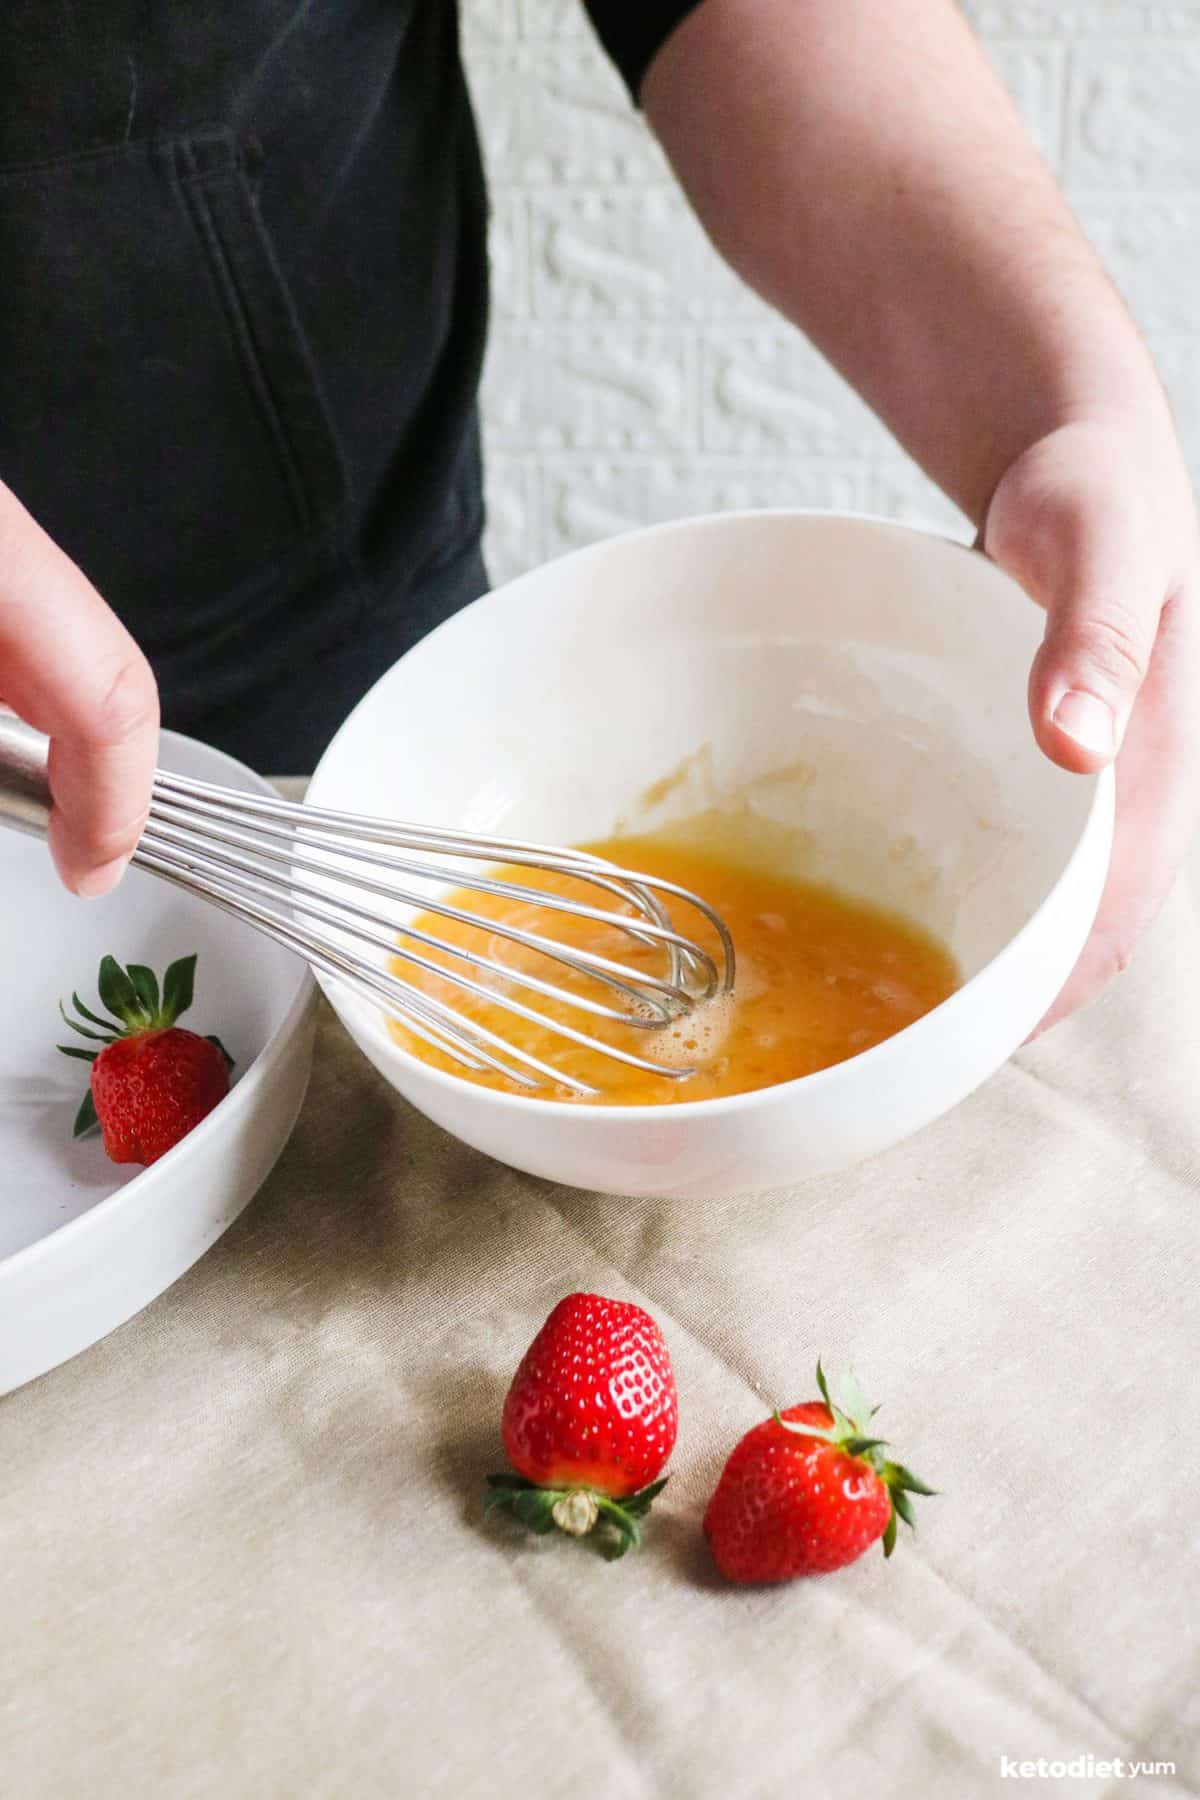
x,y
237,1100
1099,817
601,546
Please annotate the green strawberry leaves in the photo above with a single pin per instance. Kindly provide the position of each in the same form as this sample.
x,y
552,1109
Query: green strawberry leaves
x,y
903,1507
178,984
900,1483
119,995
144,983
848,1421
860,1446
96,1037
578,1512
639,1504
826,1434
82,1010
132,997
897,1476
623,1516
627,1533
86,1121
848,1433
531,1506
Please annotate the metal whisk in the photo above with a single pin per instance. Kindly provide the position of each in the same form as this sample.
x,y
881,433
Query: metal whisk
x,y
313,880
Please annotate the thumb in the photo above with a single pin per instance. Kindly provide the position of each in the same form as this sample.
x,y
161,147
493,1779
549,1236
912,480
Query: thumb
x,y
1062,524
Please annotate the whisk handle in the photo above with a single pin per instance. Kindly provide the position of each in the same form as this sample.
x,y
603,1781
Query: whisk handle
x,y
24,783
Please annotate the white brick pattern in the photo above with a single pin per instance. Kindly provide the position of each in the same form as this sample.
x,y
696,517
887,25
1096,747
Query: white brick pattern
x,y
632,377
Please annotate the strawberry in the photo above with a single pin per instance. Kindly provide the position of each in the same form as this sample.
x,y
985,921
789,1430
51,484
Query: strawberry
x,y
152,1081
807,1491
589,1423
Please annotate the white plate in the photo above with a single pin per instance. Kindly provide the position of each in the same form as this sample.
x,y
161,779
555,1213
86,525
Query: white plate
x,y
85,1243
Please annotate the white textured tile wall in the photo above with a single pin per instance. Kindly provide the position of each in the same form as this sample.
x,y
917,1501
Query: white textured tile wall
x,y
632,377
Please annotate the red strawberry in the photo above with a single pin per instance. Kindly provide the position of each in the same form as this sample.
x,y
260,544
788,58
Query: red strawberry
x,y
806,1492
589,1422
152,1081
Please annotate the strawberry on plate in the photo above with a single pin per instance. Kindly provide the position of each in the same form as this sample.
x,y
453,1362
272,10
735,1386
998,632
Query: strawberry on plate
x,y
808,1491
589,1423
153,1080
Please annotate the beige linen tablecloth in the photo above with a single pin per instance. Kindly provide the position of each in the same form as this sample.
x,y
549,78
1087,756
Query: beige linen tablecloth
x,y
242,1551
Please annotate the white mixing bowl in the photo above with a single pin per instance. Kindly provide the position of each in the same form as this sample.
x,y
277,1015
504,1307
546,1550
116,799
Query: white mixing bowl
x,y
859,683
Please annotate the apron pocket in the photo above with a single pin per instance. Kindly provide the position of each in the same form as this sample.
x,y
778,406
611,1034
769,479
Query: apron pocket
x,y
160,414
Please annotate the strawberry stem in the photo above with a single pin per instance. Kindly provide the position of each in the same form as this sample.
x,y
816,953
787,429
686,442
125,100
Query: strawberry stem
x,y
577,1512
85,1119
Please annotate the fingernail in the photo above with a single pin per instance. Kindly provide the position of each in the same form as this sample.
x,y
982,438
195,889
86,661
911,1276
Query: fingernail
x,y
102,880
1088,721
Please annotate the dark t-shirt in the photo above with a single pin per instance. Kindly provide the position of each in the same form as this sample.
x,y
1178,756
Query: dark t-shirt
x,y
241,326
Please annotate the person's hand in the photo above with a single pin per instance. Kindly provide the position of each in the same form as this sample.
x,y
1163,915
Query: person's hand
x,y
69,667
1097,523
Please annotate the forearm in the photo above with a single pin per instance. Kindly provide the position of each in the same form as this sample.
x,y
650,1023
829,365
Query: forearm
x,y
860,165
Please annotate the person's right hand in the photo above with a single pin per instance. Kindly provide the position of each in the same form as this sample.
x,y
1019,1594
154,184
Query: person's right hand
x,y
69,667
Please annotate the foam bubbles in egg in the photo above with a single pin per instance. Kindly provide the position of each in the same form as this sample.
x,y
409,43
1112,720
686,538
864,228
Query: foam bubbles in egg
x,y
696,1040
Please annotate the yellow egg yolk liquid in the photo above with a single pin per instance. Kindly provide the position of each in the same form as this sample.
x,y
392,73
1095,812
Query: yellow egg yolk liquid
x,y
820,977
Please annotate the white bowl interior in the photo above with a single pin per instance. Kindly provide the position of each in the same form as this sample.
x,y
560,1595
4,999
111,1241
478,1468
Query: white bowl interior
x,y
855,689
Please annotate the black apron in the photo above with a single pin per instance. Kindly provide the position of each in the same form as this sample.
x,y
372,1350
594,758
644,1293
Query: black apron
x,y
242,316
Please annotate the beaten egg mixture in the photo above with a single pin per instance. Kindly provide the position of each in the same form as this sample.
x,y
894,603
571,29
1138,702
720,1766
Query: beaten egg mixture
x,y
820,977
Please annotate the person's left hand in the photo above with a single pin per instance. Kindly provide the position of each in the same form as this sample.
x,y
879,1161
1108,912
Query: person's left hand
x,y
1098,524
